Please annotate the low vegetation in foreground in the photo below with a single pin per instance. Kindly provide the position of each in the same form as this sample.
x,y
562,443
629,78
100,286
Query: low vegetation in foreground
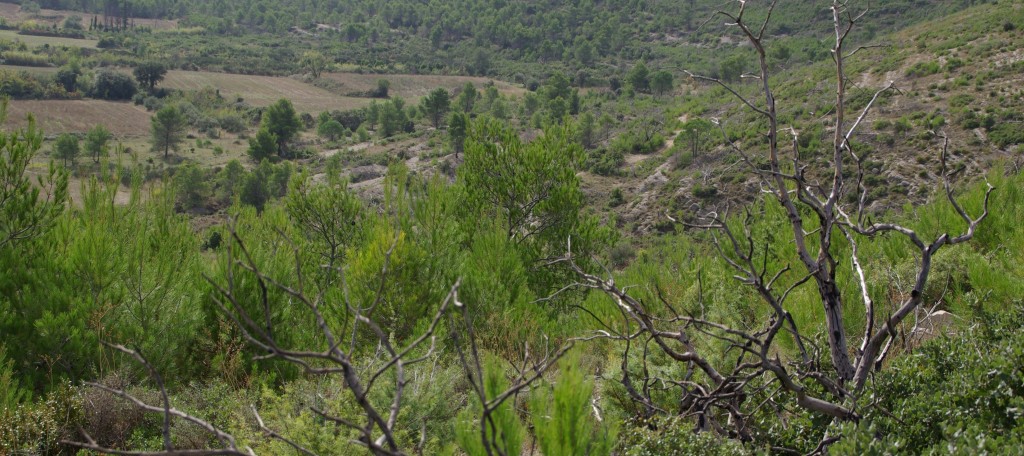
x,y
805,243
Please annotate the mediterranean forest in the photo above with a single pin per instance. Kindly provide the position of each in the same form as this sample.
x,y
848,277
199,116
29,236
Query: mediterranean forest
x,y
511,227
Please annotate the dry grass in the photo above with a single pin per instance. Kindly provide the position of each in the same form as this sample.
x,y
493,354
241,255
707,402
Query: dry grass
x,y
79,116
263,90
35,41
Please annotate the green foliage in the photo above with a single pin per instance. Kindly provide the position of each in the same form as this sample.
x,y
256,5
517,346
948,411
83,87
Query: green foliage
x,y
732,67
37,428
523,184
564,420
605,161
167,128
361,134
587,125
675,437
11,391
639,78
1007,134
393,118
191,186
67,76
467,98
502,432
383,87
112,85
96,142
532,193
149,74
436,106
25,210
695,135
329,215
458,127
73,22
925,68
662,82
314,63
262,146
25,59
966,388
637,142
281,121
67,148
265,182
331,129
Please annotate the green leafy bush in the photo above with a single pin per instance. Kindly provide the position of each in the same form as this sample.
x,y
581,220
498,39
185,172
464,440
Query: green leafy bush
x,y
674,437
565,422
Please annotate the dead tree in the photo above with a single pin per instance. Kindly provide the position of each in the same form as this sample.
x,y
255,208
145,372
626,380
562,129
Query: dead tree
x,y
715,395
375,424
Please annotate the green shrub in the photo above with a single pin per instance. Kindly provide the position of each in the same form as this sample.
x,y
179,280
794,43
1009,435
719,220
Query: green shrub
x,y
920,69
37,427
704,191
604,162
616,198
564,421
25,59
507,432
674,437
956,391
1007,134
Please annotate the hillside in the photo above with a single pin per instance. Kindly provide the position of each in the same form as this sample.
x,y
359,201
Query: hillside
x,y
508,228
965,84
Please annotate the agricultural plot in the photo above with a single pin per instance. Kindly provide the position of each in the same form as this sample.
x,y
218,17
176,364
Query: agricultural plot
x,y
35,41
78,116
414,86
49,17
263,90
46,71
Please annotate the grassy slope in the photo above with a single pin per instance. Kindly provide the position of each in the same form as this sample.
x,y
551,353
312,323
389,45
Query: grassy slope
x,y
903,163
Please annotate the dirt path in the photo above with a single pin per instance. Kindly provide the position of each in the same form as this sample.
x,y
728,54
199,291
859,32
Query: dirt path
x,y
671,141
633,159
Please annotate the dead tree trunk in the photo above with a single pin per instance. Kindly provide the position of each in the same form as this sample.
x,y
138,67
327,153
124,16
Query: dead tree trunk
x,y
814,206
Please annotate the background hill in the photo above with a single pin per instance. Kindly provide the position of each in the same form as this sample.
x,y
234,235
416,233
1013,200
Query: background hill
x,y
214,174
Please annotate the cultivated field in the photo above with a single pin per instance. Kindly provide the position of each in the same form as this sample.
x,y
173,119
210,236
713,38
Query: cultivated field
x,y
128,120
48,71
263,90
78,116
414,86
35,41
14,15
